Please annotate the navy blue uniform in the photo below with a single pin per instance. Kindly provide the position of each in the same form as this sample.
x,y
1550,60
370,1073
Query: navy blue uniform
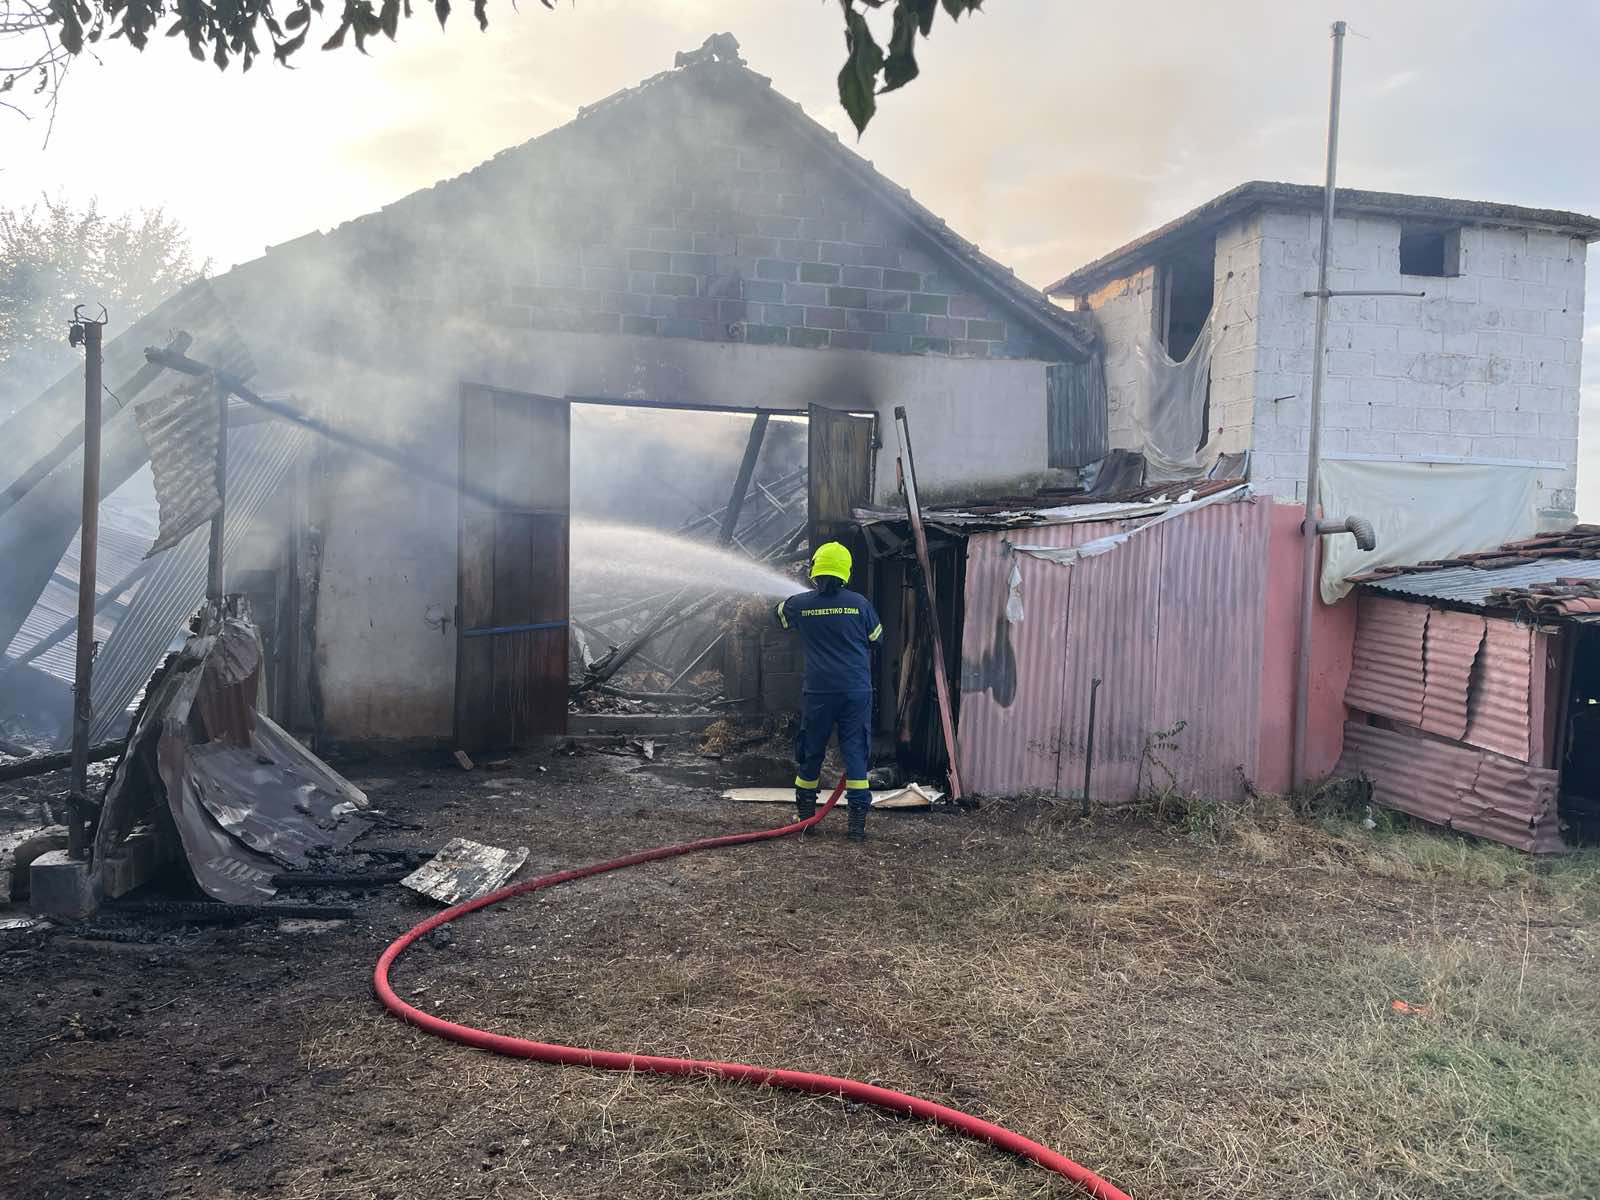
x,y
837,630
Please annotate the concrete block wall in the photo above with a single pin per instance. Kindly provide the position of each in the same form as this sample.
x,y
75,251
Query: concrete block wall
x,y
696,220
1236,351
1485,367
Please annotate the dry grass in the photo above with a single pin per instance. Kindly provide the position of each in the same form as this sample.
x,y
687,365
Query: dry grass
x,y
1196,1001
1194,1021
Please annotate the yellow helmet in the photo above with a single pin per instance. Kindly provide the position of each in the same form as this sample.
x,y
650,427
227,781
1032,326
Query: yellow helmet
x,y
831,558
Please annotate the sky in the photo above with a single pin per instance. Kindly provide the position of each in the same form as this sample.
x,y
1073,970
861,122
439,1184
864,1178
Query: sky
x,y
1048,131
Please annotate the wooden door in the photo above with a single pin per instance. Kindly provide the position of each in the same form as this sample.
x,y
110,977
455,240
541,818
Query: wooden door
x,y
840,458
511,592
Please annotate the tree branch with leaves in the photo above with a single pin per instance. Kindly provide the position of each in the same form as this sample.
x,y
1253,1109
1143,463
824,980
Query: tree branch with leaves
x,y
49,34
866,62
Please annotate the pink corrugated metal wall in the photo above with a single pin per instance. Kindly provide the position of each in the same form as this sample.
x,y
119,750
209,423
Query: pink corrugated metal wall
x,y
1171,622
1011,674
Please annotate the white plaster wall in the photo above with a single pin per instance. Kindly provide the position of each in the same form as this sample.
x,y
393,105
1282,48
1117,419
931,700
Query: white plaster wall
x,y
1486,366
390,540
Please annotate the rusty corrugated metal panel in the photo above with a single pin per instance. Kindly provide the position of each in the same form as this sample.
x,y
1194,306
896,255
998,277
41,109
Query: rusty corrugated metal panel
x,y
1502,691
1512,803
1010,728
1450,647
1455,785
1386,677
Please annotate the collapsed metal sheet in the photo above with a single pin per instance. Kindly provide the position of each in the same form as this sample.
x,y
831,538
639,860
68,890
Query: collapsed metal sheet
x,y
465,870
277,797
246,798
1387,675
1457,786
1450,648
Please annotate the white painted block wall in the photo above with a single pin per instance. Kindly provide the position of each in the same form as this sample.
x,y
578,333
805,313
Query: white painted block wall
x,y
1485,367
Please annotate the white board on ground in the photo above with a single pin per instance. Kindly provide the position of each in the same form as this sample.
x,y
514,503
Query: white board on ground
x,y
915,795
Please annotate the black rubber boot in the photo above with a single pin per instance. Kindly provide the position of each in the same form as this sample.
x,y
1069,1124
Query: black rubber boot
x,y
805,803
858,822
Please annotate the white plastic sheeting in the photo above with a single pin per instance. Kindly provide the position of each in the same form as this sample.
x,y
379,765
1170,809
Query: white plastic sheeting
x,y
1421,512
1065,556
1169,417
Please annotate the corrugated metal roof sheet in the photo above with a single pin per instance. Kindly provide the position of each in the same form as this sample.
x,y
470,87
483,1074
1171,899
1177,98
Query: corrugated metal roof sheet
x,y
1056,508
1386,676
259,458
1457,786
1472,585
181,430
119,553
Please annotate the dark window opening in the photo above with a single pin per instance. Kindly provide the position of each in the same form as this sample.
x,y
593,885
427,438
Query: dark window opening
x,y
1430,252
1187,284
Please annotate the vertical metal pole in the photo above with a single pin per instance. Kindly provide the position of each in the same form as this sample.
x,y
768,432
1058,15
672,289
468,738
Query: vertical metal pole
x,y
1308,530
1088,753
88,545
214,575
941,679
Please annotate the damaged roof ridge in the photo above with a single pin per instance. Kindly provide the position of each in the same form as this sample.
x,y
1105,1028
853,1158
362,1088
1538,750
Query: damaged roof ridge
x,y
1071,331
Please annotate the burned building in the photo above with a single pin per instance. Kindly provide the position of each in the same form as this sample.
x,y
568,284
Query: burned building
x,y
696,242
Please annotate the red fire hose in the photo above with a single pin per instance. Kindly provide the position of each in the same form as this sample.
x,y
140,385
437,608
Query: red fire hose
x,y
799,1081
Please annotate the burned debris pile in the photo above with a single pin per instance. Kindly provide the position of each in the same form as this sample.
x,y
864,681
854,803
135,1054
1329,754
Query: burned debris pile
x,y
646,640
205,768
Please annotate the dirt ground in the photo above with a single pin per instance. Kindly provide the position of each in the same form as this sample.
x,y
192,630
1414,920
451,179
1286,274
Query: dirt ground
x,y
1195,1004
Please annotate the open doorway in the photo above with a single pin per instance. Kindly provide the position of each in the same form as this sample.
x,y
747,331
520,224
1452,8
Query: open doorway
x,y
616,575
679,516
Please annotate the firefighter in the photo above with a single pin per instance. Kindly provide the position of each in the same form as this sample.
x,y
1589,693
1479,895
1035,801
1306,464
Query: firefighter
x,y
837,627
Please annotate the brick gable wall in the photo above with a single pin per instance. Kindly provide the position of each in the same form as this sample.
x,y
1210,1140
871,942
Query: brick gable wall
x,y
684,215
